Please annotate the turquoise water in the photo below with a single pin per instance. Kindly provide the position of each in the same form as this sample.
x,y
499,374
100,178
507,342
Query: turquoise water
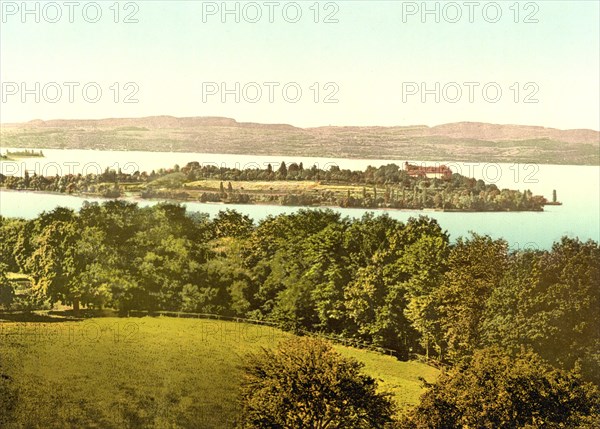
x,y
578,187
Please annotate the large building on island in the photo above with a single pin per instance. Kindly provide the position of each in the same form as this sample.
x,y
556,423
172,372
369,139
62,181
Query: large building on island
x,y
431,172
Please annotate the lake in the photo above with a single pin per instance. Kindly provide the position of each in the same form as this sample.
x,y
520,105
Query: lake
x,y
578,188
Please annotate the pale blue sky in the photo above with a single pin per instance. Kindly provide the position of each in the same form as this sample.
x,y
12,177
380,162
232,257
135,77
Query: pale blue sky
x,y
368,54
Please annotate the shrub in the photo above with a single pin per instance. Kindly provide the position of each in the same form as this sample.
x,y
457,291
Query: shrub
x,y
495,390
304,383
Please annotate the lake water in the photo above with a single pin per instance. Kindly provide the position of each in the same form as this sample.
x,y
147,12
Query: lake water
x,y
578,187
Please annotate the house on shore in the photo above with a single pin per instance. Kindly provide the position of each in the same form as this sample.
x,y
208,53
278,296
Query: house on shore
x,y
430,172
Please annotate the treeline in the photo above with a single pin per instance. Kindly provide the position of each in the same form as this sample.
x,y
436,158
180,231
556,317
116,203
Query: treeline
x,y
398,285
384,187
26,153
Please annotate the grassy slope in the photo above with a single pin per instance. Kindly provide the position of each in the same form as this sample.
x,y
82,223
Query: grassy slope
x,y
150,372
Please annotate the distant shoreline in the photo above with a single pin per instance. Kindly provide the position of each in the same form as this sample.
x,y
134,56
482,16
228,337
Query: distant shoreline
x,y
432,159
21,154
461,141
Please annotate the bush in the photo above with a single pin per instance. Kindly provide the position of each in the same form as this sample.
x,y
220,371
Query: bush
x,y
304,383
7,295
7,289
494,390
30,301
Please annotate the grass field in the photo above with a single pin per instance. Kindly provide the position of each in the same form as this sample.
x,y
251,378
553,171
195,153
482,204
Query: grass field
x,y
149,372
259,186
279,187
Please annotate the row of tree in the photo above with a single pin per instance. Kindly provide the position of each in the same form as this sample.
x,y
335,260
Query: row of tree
x,y
398,285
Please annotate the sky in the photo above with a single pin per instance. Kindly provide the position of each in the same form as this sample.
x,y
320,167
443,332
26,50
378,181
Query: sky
x,y
304,63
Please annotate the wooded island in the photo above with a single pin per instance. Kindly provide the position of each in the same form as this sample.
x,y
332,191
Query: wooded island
x,y
413,187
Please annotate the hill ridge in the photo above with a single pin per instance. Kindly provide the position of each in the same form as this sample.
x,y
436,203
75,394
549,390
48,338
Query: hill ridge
x,y
460,141
463,129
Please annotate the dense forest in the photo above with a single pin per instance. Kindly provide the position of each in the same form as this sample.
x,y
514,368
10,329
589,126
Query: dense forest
x,y
402,286
387,186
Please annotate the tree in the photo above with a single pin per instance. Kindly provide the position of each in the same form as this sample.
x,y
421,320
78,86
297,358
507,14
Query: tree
x,y
399,264
293,305
282,171
230,223
329,272
376,306
493,390
424,260
93,262
305,384
475,268
166,259
548,301
53,265
9,236
7,293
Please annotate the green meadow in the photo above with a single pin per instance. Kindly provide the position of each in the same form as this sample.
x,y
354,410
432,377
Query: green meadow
x,y
148,372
